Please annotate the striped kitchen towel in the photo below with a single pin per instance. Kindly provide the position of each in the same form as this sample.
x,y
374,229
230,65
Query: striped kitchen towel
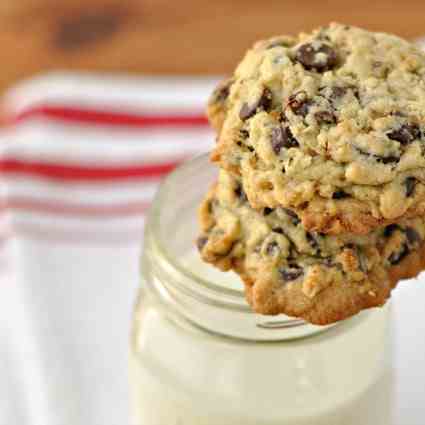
x,y
80,159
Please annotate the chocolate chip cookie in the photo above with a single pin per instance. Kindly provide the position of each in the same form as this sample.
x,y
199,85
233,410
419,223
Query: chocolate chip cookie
x,y
329,124
288,269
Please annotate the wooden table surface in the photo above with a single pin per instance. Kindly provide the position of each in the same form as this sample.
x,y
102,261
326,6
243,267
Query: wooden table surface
x,y
170,36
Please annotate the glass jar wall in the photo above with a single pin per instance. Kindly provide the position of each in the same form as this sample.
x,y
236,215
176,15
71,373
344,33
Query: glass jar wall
x,y
199,356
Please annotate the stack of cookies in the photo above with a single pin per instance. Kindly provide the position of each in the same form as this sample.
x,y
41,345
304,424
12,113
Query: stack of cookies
x,y
320,201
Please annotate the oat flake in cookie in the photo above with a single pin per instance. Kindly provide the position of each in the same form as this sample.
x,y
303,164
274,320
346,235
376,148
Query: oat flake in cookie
x,y
286,269
329,124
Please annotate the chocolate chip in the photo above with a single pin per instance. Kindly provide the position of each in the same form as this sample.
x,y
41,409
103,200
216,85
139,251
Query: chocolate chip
x,y
289,139
272,248
299,103
312,241
300,108
290,273
398,114
281,117
264,102
278,230
294,217
390,229
240,193
277,139
201,242
356,92
337,92
396,257
410,184
340,194
377,158
247,111
325,117
412,235
243,134
362,152
266,99
267,211
386,159
221,93
316,56
282,137
406,134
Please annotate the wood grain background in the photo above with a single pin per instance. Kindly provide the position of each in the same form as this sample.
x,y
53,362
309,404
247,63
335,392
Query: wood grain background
x,y
170,36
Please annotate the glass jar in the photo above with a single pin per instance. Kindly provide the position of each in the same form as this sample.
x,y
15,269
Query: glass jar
x,y
200,356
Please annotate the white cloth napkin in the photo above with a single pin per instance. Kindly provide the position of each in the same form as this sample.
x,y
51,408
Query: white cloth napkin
x,y
80,160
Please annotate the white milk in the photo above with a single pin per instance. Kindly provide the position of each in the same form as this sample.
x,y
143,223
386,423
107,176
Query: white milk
x,y
183,377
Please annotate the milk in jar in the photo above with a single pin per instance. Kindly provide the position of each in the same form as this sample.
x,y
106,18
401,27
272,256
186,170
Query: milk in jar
x,y
185,376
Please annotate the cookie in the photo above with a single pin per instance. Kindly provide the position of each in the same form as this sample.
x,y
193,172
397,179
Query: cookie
x,y
287,269
327,124
217,104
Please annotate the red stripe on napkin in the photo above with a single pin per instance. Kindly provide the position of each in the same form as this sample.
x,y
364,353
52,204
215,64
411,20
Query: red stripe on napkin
x,y
66,208
90,116
85,173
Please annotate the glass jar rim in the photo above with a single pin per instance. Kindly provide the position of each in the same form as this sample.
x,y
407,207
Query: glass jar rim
x,y
154,223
